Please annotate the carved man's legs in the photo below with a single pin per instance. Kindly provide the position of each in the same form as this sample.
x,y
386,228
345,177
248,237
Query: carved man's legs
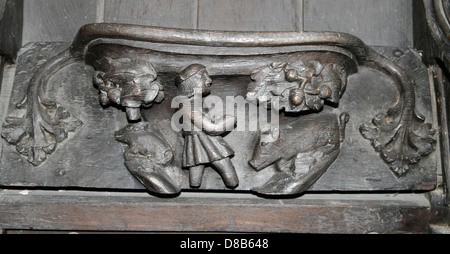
x,y
196,175
224,167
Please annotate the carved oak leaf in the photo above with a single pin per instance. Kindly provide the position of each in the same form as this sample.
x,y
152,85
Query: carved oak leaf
x,y
263,78
400,145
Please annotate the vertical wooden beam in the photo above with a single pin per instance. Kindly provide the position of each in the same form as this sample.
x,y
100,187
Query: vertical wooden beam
x,y
100,13
11,16
2,64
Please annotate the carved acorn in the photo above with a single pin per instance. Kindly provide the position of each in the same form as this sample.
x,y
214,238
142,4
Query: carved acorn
x,y
292,75
114,95
325,92
296,96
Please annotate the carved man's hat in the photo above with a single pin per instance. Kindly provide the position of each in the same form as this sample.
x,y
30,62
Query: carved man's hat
x,y
188,72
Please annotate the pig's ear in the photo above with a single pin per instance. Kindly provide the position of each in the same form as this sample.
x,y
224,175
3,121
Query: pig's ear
x,y
275,133
269,135
265,130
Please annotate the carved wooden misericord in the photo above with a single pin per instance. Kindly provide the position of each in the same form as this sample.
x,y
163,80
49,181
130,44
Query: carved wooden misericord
x,y
276,113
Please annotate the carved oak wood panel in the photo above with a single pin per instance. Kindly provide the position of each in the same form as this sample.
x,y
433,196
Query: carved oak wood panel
x,y
349,117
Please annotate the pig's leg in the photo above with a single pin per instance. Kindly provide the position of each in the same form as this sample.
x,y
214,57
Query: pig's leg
x,y
226,170
196,175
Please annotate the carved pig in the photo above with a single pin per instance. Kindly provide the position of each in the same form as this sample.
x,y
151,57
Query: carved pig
x,y
148,158
304,150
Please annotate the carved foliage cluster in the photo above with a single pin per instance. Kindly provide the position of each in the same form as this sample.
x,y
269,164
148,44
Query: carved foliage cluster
x,y
129,83
298,86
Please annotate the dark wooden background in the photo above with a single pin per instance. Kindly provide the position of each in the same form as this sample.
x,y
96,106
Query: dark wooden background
x,y
377,22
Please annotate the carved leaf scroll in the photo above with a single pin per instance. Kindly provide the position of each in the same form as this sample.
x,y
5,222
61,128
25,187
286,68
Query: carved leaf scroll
x,y
45,123
46,134
399,145
400,135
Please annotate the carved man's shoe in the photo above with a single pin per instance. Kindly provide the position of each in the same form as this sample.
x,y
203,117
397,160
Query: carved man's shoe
x,y
226,170
196,176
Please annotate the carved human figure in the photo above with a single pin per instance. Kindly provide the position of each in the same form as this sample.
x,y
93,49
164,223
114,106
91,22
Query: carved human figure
x,y
204,144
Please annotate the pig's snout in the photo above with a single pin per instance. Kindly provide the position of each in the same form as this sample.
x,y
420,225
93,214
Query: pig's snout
x,y
260,158
259,164
253,164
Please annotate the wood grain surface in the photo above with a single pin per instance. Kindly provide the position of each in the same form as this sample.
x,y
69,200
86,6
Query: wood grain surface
x,y
213,212
383,23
